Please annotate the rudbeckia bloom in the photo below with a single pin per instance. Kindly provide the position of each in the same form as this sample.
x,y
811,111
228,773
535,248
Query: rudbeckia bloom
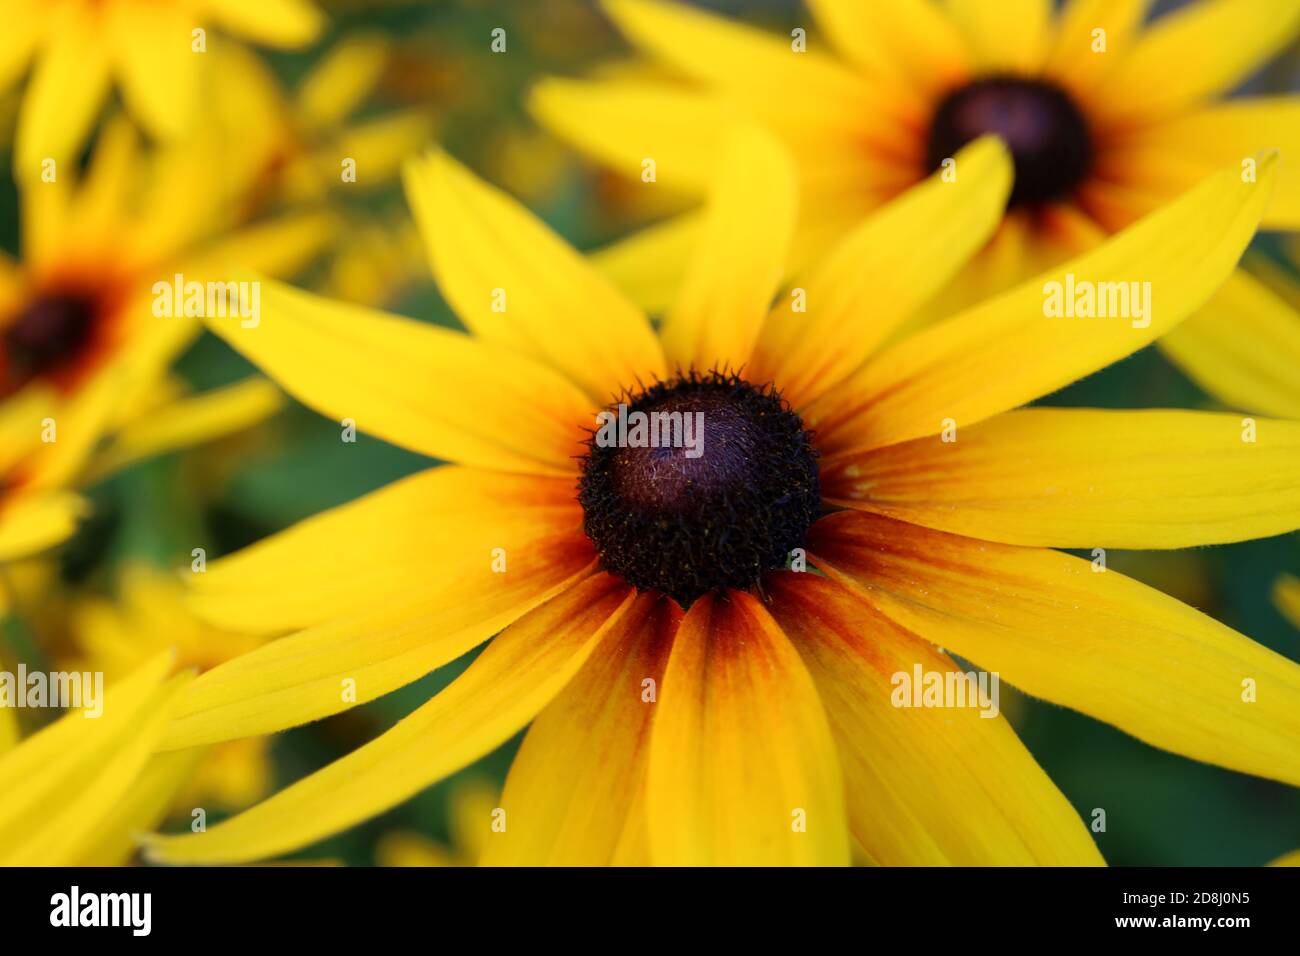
x,y
1106,119
157,52
689,700
83,354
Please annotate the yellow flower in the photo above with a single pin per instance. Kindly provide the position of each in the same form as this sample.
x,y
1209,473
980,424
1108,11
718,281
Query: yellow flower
x,y
756,725
1106,119
83,356
156,51
294,149
75,792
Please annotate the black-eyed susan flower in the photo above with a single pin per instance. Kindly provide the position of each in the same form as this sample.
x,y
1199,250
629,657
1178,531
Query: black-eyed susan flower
x,y
1106,117
84,348
688,698
155,53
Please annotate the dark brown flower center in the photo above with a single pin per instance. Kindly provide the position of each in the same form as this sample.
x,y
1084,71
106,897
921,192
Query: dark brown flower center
x,y
51,333
699,484
1041,125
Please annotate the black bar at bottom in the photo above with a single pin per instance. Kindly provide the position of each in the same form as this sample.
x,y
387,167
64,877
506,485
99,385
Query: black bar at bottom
x,y
330,906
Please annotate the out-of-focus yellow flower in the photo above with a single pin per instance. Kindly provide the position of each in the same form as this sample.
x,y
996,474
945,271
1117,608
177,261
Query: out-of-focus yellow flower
x,y
293,149
1107,118
375,261
75,792
83,345
469,820
158,53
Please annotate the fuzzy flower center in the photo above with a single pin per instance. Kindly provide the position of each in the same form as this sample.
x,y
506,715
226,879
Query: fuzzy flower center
x,y
51,332
1041,125
699,484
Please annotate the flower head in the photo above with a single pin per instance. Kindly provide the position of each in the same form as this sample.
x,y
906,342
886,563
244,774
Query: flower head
x,y
759,724
1106,118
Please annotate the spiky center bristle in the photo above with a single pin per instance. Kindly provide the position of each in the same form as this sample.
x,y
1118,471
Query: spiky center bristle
x,y
699,484
1042,127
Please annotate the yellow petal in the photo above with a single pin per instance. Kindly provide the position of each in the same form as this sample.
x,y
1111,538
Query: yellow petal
x,y
22,33
914,38
1193,53
78,424
502,690
190,421
31,523
160,72
739,258
1010,350
145,804
1074,59
62,784
743,769
1288,859
1243,348
101,205
622,123
279,23
45,220
57,746
926,787
328,668
1064,629
649,264
416,534
279,247
469,815
582,763
342,79
760,72
425,388
380,146
1286,595
67,88
881,273
1083,478
1010,35
407,848
22,423
514,282
8,725
1172,156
